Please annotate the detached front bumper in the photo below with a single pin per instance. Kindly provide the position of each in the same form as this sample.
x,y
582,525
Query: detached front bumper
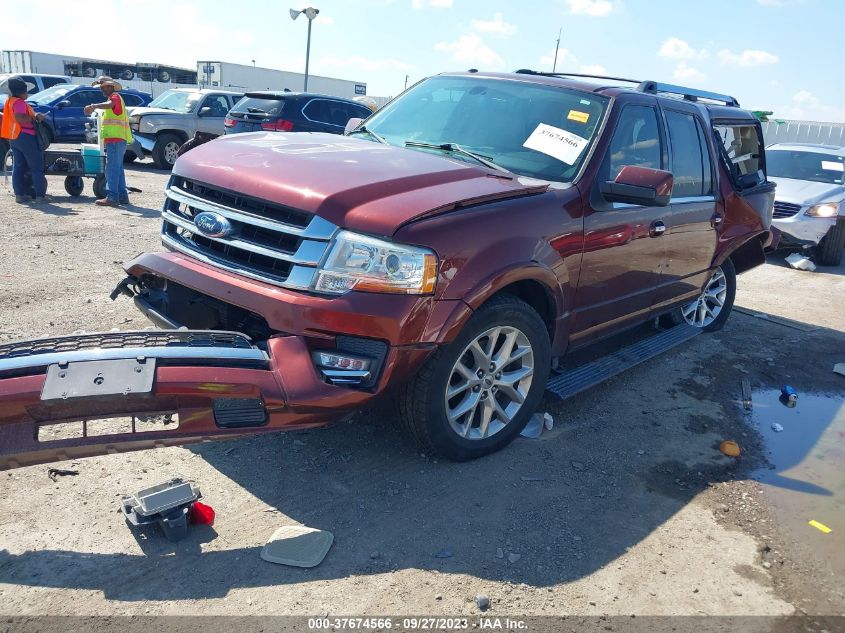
x,y
101,387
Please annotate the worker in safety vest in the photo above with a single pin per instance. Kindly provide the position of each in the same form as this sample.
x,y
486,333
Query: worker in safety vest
x,y
116,136
19,129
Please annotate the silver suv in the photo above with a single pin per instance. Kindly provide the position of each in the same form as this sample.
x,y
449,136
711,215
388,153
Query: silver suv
x,y
810,197
175,116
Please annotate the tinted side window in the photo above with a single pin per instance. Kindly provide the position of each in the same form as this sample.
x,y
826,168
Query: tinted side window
x,y
359,111
82,98
53,81
218,104
690,158
635,141
318,110
131,100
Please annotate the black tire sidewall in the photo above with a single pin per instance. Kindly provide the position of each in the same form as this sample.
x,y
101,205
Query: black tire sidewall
x,y
830,250
158,150
444,439
74,185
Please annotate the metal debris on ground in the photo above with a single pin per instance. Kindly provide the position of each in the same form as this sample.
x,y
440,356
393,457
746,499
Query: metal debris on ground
x,y
730,448
548,421
800,262
52,473
482,602
746,394
167,504
297,546
821,527
789,393
839,368
777,428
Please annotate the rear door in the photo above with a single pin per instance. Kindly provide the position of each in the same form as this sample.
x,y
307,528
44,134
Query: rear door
x,y
323,115
211,121
690,238
623,253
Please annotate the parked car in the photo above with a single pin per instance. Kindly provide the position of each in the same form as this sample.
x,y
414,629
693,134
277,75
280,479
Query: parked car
x,y
810,198
35,83
63,106
473,230
292,112
175,116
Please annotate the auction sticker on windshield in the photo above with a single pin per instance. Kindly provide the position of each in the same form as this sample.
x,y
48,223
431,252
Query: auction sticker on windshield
x,y
557,143
832,166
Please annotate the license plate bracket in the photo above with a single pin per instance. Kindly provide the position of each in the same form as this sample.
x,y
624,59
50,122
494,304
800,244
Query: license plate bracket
x,y
85,379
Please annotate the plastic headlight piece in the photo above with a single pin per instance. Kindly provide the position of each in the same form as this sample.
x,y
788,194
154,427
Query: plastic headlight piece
x,y
360,262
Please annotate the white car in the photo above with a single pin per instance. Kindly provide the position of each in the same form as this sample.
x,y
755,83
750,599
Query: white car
x,y
810,197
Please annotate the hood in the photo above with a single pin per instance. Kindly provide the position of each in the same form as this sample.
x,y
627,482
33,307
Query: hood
x,y
806,192
353,183
145,111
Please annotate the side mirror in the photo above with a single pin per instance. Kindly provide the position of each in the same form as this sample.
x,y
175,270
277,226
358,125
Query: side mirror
x,y
206,111
351,124
62,104
640,186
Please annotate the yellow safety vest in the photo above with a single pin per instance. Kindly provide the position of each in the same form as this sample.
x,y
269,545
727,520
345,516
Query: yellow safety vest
x,y
116,125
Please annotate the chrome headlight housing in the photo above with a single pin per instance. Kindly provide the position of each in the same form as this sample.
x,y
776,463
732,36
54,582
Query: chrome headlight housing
x,y
368,264
824,210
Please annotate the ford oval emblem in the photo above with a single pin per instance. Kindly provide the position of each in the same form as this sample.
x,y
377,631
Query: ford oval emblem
x,y
212,224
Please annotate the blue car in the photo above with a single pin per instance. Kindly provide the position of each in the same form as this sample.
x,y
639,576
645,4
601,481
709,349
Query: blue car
x,y
63,106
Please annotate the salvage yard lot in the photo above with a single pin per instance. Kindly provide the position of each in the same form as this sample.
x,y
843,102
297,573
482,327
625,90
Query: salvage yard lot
x,y
626,507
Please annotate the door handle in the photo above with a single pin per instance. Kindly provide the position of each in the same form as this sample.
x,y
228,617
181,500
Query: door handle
x,y
716,220
656,229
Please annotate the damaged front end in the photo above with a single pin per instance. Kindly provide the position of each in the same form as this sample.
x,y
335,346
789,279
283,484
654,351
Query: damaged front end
x,y
95,394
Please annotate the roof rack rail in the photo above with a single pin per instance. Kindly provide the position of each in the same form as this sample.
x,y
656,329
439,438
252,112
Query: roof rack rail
x,y
690,94
528,71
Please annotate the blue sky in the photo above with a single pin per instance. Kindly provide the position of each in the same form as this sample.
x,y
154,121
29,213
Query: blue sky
x,y
771,54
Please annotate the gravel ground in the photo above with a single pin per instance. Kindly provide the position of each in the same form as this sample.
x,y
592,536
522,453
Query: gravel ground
x,y
626,507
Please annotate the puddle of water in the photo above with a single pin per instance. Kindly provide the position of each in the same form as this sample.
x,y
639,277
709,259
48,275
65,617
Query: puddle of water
x,y
808,479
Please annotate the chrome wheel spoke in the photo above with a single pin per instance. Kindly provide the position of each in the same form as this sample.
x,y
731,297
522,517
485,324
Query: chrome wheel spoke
x,y
455,390
503,356
511,377
486,416
706,308
467,405
509,391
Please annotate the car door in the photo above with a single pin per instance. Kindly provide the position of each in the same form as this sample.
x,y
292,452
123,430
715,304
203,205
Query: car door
x,y
318,117
623,247
211,113
69,119
690,239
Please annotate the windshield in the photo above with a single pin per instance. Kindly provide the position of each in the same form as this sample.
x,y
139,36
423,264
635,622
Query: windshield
x,y
530,129
50,94
176,100
800,165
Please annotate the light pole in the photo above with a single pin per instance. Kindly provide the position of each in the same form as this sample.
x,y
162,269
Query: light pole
x,y
310,13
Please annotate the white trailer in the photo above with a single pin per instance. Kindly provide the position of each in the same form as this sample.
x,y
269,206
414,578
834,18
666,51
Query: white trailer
x,y
211,74
32,63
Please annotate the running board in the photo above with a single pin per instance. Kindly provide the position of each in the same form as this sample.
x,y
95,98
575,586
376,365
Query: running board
x,y
568,383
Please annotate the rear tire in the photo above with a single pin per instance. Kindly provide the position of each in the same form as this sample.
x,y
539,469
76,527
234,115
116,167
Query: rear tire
x,y
723,279
516,338
165,150
830,249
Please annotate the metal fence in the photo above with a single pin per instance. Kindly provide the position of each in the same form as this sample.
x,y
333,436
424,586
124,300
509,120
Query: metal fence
x,y
804,132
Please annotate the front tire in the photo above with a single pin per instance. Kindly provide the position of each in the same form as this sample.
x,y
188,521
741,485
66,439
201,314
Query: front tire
x,y
165,150
474,395
713,306
830,249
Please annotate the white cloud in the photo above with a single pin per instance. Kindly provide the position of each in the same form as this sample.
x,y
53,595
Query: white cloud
x,y
596,8
565,60
675,48
683,72
805,105
747,58
438,4
360,62
496,25
471,49
593,69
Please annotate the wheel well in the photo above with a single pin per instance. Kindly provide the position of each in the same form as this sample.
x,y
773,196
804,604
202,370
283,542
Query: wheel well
x,y
178,133
538,296
749,255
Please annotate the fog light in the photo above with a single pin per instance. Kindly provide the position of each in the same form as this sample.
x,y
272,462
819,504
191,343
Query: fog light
x,y
332,360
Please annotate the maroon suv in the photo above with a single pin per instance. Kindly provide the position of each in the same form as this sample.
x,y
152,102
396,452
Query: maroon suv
x,y
450,249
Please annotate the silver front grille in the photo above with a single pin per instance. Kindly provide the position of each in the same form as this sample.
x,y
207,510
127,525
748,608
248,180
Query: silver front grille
x,y
268,242
785,209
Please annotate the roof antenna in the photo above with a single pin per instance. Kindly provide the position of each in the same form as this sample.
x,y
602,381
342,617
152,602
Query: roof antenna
x,y
557,46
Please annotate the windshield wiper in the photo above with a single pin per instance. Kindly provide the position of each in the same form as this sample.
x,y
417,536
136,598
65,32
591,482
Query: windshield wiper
x,y
364,130
457,149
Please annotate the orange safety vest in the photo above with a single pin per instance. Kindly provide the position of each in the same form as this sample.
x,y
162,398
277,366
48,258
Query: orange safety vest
x,y
11,129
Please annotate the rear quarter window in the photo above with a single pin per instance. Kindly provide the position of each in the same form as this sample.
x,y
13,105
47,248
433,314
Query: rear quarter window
x,y
741,149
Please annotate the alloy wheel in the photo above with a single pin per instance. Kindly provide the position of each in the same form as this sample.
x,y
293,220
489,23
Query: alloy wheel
x,y
704,310
171,152
489,382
